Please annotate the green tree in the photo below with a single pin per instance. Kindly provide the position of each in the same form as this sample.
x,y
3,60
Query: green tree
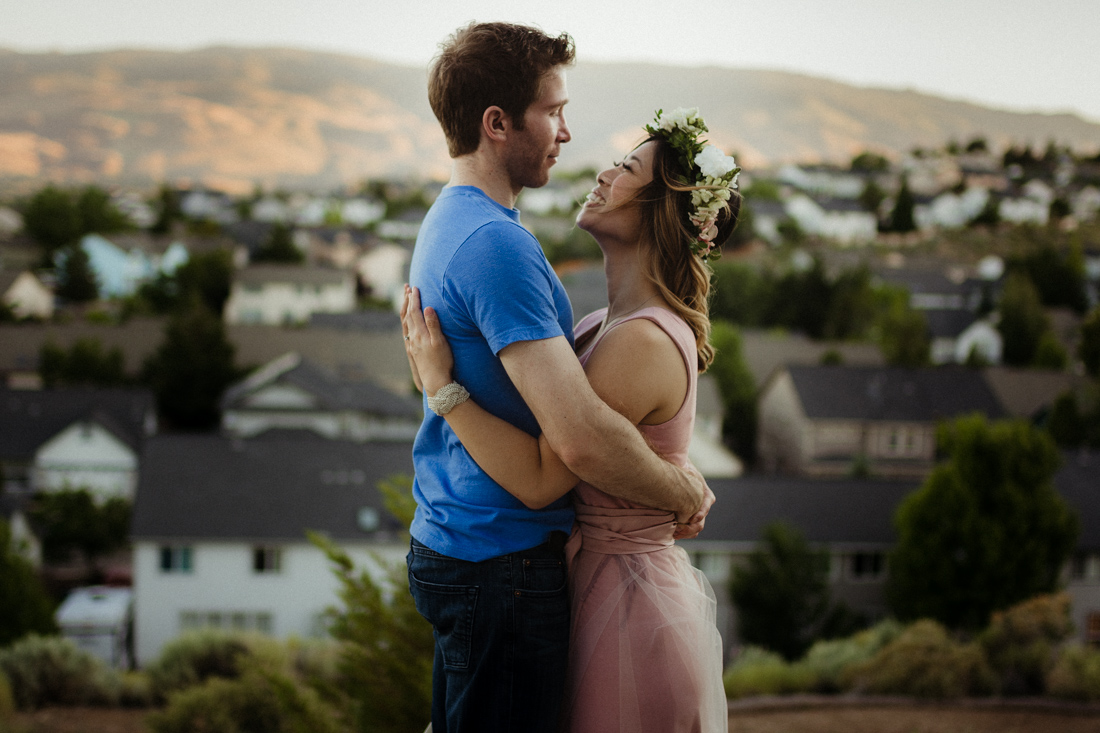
x,y
1065,423
207,275
737,388
902,331
852,305
872,196
1023,321
386,661
191,368
74,525
76,279
1050,354
98,213
167,203
782,598
986,530
1057,273
740,293
24,605
85,363
52,219
901,216
1088,349
279,247
869,162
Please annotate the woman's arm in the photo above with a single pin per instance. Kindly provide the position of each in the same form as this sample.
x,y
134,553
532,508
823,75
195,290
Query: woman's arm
x,y
524,466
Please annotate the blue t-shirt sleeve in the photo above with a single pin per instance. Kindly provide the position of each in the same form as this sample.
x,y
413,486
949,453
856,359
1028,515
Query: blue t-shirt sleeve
x,y
500,280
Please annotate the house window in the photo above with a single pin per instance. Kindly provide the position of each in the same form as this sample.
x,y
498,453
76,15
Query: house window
x,y
267,559
175,559
1092,629
229,620
868,565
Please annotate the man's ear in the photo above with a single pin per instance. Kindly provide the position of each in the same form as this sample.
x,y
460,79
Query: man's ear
x,y
495,124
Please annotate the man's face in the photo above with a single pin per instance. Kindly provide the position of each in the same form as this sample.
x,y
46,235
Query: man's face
x,y
533,150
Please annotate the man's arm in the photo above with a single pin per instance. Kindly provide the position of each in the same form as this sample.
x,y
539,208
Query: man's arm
x,y
593,440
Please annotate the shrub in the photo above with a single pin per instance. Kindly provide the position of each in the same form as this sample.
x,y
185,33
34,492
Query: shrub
x,y
760,672
49,670
135,690
7,701
1021,642
828,659
195,657
925,662
1076,674
260,700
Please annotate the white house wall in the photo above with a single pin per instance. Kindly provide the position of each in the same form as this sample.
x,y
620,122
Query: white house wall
x,y
275,303
29,298
783,442
222,581
85,455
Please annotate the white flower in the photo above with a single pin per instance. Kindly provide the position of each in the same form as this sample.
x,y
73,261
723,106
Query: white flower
x,y
714,163
679,117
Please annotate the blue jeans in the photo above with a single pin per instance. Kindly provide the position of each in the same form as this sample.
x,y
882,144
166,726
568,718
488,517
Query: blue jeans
x,y
501,638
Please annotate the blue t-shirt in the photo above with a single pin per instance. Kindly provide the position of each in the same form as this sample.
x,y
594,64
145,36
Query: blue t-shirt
x,y
489,280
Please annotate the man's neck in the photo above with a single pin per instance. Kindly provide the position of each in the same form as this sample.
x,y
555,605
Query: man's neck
x,y
476,169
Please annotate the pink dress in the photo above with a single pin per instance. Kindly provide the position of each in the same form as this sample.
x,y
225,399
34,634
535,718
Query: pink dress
x,y
644,653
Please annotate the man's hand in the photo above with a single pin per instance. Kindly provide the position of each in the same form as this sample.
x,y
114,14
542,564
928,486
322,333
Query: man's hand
x,y
693,525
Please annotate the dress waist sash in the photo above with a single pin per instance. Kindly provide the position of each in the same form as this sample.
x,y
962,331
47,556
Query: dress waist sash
x,y
620,531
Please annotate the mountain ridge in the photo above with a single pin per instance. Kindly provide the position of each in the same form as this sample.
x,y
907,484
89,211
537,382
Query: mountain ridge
x,y
231,117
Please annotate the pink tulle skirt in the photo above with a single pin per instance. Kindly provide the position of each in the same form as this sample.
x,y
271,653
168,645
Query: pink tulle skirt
x,y
645,653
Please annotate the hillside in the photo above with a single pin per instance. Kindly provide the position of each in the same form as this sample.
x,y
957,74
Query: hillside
x,y
231,117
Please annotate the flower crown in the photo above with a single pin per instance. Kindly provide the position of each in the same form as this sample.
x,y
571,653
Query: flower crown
x,y
712,173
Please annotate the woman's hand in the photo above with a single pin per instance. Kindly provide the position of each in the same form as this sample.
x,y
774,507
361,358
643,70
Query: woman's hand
x,y
429,353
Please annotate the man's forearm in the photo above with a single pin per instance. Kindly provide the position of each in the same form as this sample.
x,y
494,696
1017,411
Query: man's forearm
x,y
617,460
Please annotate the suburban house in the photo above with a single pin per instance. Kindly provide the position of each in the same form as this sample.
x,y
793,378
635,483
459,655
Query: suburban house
x,y
839,420
1029,203
823,180
950,210
844,220
121,264
956,334
932,288
25,295
219,530
293,393
853,520
706,451
280,294
383,270
74,437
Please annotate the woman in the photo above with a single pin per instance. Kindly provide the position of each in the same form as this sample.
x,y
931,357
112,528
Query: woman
x,y
644,651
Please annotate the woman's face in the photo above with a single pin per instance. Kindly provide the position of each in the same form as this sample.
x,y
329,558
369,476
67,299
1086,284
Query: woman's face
x,y
607,210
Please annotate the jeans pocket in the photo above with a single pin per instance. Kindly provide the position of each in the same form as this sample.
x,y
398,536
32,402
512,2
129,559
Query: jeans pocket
x,y
450,610
543,577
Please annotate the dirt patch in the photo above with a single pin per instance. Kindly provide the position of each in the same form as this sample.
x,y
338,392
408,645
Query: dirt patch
x,y
81,720
839,716
763,717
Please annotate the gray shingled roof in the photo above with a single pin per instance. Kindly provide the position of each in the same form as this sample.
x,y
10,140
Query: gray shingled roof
x,y
948,322
1078,481
861,512
296,274
275,487
843,511
331,392
893,393
28,418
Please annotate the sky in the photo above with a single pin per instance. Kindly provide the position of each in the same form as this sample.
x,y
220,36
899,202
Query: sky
x,y
1009,54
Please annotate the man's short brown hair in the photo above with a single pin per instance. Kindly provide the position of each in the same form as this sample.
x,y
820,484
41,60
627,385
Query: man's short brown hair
x,y
490,64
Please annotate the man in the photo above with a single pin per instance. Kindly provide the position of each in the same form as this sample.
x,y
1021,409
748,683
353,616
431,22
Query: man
x,y
485,570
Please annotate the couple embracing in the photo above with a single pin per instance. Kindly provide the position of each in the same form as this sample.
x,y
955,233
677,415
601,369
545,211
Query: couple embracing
x,y
552,477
